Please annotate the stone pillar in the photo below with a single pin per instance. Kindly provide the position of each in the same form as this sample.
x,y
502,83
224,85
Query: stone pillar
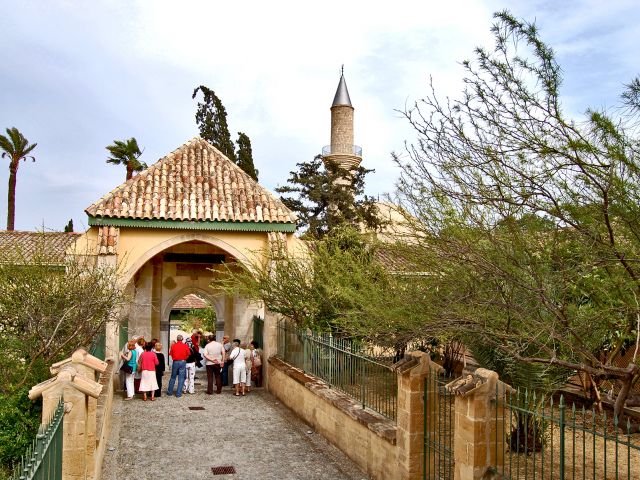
x,y
412,371
156,298
479,442
108,238
75,384
270,340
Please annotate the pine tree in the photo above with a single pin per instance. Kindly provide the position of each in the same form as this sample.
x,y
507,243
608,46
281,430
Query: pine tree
x,y
323,203
68,228
245,156
211,118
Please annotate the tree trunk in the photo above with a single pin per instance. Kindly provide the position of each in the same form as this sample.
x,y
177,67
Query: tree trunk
x,y
626,382
11,200
129,172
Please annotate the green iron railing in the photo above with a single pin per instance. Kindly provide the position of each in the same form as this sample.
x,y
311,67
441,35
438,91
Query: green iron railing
x,y
258,330
534,437
43,459
548,439
336,361
439,423
98,345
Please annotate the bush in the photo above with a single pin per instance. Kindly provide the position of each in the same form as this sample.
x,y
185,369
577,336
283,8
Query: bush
x,y
19,422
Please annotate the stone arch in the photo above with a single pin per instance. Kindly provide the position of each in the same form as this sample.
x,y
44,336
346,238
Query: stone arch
x,y
187,237
213,300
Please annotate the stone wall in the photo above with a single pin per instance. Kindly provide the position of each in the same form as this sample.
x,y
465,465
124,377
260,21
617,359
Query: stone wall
x,y
369,439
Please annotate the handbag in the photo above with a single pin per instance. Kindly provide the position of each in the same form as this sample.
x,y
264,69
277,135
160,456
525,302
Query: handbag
x,y
257,361
126,368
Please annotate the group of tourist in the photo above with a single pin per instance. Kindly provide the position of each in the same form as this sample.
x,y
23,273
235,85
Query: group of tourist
x,y
144,365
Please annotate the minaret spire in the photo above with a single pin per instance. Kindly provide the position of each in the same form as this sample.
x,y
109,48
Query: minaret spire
x,y
342,94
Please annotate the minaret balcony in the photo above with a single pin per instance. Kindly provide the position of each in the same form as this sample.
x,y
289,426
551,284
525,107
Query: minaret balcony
x,y
342,150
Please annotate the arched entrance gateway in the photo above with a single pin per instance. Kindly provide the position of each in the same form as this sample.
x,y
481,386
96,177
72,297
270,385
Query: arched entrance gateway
x,y
173,227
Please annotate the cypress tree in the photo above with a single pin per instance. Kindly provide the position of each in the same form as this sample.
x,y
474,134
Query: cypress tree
x,y
245,156
211,118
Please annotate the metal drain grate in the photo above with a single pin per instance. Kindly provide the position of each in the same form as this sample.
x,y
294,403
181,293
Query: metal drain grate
x,y
196,408
223,470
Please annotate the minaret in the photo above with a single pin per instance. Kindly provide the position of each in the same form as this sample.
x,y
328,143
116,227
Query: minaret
x,y
342,151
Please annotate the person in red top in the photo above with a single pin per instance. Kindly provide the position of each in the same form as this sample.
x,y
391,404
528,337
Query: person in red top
x,y
147,363
179,353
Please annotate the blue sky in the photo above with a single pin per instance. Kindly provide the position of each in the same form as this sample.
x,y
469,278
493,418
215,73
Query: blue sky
x,y
77,75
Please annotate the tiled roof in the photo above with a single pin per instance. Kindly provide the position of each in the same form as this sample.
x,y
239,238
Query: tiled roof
x,y
188,302
194,182
49,247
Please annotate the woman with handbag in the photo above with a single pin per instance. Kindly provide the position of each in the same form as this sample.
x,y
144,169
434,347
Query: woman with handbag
x,y
253,364
129,367
256,364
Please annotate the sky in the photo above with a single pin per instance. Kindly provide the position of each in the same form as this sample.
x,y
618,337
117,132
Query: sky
x,y
75,76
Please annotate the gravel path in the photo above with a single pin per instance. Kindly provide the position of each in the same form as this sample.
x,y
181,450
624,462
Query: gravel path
x,y
264,440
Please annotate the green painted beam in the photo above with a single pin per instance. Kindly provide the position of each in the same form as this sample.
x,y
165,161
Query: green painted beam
x,y
193,225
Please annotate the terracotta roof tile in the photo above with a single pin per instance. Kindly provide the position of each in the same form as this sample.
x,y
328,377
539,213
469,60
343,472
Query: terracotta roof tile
x,y
194,182
21,247
188,302
108,240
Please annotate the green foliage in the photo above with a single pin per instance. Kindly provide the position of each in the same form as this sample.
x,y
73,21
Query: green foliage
x,y
127,153
245,156
321,203
19,422
211,118
318,288
68,228
526,219
199,318
16,147
47,311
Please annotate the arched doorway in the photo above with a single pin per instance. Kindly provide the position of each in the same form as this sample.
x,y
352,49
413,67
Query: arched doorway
x,y
181,269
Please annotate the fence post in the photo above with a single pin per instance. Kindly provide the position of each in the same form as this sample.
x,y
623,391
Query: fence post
x,y
75,383
561,425
412,371
274,339
479,429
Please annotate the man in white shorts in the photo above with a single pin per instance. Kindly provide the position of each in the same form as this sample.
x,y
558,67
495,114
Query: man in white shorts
x,y
237,355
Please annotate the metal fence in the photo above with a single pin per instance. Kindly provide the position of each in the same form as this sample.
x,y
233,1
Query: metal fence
x,y
258,330
439,425
98,345
545,438
43,459
337,362
534,437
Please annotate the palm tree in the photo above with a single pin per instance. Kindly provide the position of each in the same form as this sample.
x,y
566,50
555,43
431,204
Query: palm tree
x,y
126,152
17,148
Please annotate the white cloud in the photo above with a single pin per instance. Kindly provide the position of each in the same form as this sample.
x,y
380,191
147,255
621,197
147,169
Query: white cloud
x,y
79,76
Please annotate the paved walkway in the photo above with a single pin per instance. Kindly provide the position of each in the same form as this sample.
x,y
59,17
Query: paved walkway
x,y
262,439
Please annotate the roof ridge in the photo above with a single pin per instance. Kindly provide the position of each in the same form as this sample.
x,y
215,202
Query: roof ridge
x,y
186,184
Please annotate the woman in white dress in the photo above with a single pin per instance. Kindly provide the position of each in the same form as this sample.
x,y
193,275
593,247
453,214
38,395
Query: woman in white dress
x,y
237,356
